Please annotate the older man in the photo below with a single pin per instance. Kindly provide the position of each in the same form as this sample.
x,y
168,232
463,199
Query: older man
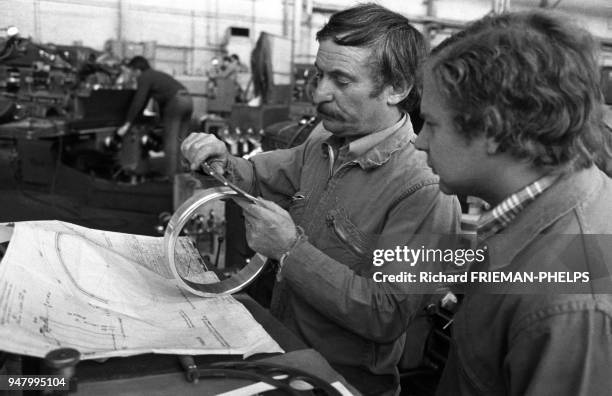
x,y
357,179
511,108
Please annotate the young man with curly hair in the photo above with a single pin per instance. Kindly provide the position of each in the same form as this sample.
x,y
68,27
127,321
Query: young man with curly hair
x,y
511,108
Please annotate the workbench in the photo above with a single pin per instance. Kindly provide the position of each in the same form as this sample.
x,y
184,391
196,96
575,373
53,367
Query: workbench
x,y
158,374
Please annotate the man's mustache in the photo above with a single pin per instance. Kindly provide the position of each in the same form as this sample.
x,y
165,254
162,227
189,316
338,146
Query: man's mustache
x,y
328,113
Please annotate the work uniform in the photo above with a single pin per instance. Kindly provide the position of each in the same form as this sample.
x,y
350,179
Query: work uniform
x,y
176,107
604,156
535,341
379,187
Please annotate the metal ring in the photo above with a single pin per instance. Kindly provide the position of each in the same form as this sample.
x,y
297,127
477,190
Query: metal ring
x,y
178,220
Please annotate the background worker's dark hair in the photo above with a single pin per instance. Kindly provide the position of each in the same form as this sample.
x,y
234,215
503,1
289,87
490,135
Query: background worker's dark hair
x,y
398,48
139,63
530,81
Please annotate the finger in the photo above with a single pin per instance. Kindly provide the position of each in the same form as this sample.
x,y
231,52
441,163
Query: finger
x,y
270,205
271,209
250,239
259,218
242,201
250,210
194,139
188,141
250,225
217,166
187,144
200,152
206,149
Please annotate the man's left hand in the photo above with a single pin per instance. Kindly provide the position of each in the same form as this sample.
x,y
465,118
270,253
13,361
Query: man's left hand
x,y
270,230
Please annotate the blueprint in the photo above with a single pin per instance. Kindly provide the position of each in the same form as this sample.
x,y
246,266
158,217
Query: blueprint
x,y
110,294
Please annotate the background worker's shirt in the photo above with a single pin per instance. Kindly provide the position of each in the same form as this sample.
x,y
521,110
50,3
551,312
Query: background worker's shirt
x,y
152,84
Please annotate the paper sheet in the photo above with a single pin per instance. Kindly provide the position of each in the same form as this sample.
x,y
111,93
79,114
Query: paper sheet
x,y
111,294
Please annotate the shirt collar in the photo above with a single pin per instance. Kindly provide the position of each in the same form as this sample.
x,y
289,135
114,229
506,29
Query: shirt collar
x,y
362,145
495,220
375,148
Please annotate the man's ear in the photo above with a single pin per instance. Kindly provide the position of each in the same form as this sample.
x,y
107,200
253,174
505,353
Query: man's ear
x,y
396,94
492,145
492,122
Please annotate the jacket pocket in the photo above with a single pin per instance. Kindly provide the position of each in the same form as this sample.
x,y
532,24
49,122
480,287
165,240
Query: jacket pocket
x,y
347,233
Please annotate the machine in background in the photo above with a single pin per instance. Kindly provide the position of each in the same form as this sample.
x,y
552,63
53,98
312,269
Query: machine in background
x,y
57,106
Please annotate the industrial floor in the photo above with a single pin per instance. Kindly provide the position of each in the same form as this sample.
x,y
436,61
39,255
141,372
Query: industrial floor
x,y
23,201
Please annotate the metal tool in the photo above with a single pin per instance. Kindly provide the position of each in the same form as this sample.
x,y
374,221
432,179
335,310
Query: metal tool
x,y
220,178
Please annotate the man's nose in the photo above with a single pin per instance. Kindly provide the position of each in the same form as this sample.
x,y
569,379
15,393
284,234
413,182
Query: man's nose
x,y
322,92
421,142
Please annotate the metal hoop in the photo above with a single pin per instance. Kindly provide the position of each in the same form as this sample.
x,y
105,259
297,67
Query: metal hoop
x,y
178,220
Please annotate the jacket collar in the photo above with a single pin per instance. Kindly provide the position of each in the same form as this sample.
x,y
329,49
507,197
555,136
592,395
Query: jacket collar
x,y
381,152
567,193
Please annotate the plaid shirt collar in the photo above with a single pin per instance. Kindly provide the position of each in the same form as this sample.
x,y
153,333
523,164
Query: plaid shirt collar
x,y
495,220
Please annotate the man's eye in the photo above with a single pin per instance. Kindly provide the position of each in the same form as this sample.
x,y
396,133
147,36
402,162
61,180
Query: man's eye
x,y
343,81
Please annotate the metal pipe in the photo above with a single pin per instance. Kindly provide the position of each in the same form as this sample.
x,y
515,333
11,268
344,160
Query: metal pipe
x,y
285,18
120,16
175,225
297,30
193,42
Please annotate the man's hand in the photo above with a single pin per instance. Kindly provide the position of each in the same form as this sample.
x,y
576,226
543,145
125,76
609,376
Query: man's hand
x,y
202,147
270,230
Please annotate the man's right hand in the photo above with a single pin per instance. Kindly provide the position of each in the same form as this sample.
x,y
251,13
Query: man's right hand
x,y
199,147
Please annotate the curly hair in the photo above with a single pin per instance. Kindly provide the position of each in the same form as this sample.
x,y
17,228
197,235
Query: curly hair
x,y
529,80
398,48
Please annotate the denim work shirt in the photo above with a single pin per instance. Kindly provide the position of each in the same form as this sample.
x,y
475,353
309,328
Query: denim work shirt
x,y
542,343
327,296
